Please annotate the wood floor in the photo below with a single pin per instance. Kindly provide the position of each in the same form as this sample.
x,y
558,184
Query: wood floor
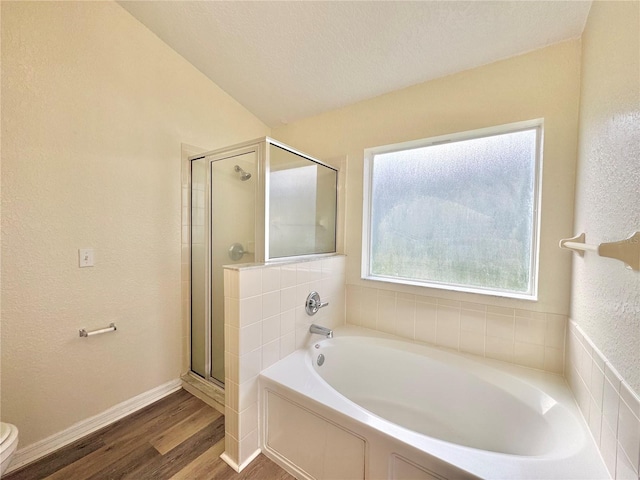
x,y
178,437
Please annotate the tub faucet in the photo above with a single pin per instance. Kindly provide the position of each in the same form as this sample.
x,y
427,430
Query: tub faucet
x,y
327,332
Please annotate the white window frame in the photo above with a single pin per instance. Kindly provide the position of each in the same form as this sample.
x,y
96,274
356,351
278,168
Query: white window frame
x,y
370,153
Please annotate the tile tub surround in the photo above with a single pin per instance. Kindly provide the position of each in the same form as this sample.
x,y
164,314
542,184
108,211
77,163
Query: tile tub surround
x,y
527,338
609,405
265,321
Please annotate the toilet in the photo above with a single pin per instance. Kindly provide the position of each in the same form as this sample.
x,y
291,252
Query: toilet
x,y
8,444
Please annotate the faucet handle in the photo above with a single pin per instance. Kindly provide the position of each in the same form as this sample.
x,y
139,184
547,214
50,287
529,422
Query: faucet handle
x,y
313,303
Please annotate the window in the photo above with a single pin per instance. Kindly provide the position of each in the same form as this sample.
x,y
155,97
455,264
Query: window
x,y
458,212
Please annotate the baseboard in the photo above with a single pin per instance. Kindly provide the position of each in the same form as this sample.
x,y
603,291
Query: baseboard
x,y
37,450
209,393
238,468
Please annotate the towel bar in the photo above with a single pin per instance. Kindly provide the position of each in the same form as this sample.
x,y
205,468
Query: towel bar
x,y
110,328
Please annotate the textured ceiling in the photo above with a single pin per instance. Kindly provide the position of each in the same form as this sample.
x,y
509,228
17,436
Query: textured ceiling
x,y
288,60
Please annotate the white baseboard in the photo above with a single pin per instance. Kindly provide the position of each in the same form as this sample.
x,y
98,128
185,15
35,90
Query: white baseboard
x,y
37,450
238,468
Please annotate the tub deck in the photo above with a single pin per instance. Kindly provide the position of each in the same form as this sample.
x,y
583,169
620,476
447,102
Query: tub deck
x,y
300,411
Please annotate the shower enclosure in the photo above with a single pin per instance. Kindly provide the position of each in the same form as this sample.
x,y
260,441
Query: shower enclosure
x,y
255,202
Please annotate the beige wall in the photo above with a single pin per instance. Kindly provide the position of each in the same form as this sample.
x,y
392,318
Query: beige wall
x,y
606,296
541,84
94,109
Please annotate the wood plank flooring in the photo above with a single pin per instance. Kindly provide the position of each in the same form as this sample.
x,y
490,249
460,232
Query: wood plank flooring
x,y
179,437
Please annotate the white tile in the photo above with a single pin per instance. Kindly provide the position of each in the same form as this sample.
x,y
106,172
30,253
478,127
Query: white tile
x,y
315,270
232,284
596,385
248,446
288,275
303,274
369,308
630,398
629,433
624,469
553,360
232,311
506,311
608,447
613,376
499,349
248,393
248,420
231,367
336,312
287,344
472,342
231,423
473,321
478,307
354,300
250,282
583,399
250,310
445,302
249,365
287,322
231,447
270,304
232,339
555,331
426,299
332,286
405,317
250,338
529,355
270,353
287,299
231,395
303,320
585,364
302,337
610,405
270,329
500,326
448,327
386,313
270,279
530,330
331,266
595,421
302,292
425,329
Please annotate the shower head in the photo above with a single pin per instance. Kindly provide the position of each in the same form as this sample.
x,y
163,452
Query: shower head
x,y
244,176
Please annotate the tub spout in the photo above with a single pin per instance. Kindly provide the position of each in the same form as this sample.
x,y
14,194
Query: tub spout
x,y
327,332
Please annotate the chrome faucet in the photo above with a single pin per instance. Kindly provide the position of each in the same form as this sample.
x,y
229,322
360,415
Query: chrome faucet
x,y
327,332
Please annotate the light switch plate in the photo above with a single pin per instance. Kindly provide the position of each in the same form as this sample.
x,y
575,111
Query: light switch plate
x,y
85,257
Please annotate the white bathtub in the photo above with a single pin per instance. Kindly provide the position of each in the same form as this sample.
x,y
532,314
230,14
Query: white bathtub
x,y
380,408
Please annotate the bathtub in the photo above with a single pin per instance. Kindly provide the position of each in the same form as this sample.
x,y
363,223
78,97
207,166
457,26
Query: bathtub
x,y
368,406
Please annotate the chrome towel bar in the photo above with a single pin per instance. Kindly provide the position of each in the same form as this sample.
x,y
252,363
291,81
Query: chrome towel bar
x,y
110,328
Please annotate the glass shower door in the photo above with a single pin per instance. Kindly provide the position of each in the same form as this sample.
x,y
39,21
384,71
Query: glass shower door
x,y
223,232
233,214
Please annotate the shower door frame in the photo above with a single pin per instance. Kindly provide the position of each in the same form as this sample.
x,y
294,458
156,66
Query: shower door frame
x,y
261,220
211,157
